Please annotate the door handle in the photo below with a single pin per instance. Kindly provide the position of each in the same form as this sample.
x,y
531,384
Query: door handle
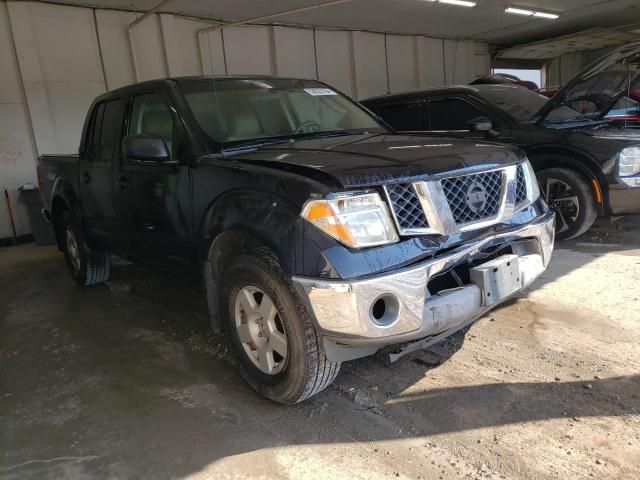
x,y
86,178
124,184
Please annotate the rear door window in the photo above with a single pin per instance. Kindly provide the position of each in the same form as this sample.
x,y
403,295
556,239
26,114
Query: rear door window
x,y
404,116
92,147
111,129
451,114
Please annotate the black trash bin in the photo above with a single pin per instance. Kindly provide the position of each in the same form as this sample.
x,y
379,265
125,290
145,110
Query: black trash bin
x,y
42,230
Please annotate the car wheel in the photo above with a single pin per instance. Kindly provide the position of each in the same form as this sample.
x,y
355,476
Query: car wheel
x,y
279,352
87,266
571,196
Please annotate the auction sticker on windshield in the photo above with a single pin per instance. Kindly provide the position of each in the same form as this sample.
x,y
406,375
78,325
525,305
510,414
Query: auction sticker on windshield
x,y
318,92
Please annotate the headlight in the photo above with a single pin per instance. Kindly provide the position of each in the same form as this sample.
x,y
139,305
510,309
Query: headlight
x,y
357,220
629,162
533,190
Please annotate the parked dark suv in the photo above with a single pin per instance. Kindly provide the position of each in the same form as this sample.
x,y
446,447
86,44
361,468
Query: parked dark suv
x,y
583,143
318,235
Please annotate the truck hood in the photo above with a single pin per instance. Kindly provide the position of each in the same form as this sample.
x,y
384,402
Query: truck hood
x,y
368,160
606,80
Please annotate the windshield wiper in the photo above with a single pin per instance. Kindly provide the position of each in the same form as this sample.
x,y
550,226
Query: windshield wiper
x,y
252,145
574,122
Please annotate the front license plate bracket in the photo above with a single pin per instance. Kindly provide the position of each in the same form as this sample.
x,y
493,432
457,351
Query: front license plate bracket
x,y
498,278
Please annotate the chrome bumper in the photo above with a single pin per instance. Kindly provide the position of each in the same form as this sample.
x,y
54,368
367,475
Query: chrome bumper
x,y
344,310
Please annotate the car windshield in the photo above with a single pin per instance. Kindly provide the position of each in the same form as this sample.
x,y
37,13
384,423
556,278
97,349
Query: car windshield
x,y
520,102
234,112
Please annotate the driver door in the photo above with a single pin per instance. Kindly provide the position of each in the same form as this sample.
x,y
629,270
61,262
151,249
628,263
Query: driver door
x,y
153,197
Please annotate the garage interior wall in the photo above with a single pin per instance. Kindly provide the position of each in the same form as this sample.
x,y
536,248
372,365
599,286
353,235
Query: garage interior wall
x,y
562,69
55,59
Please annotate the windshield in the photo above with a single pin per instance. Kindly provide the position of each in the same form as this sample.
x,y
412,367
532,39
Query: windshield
x,y
607,93
238,111
520,102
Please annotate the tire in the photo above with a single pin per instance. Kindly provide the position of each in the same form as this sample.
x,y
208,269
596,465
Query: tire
x,y
299,370
87,266
571,196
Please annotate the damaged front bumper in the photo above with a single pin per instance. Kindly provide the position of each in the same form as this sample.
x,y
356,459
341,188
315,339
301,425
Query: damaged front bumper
x,y
357,317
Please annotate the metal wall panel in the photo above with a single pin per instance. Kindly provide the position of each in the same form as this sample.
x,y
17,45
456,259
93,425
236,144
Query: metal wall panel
x,y
370,64
295,52
403,74
114,45
333,55
62,74
430,62
17,155
148,49
248,50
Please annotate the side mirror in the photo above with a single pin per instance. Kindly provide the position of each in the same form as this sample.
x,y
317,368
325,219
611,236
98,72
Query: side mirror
x,y
480,124
145,148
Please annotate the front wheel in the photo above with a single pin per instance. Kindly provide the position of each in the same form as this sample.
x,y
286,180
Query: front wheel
x,y
571,197
279,352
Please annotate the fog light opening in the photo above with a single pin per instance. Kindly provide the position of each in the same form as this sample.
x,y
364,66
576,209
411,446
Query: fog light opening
x,y
384,310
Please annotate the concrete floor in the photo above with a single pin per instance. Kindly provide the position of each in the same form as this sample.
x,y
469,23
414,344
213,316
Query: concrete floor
x,y
126,381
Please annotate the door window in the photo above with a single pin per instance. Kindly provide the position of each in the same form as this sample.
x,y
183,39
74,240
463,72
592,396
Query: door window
x,y
404,116
150,115
451,114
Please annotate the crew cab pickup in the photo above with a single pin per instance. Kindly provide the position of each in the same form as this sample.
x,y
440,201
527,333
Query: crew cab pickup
x,y
317,234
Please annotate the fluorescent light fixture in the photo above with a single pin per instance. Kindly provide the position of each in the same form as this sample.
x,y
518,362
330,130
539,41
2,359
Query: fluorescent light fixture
x,y
552,16
460,3
518,11
531,13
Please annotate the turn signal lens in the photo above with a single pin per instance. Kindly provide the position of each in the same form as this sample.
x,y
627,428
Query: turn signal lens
x,y
533,189
357,220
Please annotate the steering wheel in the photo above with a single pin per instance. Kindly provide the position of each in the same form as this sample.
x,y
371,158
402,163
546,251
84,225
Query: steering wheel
x,y
308,127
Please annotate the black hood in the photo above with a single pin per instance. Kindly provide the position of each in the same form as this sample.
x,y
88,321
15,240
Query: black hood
x,y
598,82
367,160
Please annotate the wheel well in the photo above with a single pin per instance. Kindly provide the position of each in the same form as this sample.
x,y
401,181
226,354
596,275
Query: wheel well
x,y
222,250
541,160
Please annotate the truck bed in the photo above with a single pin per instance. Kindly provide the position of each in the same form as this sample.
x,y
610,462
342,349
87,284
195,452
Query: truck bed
x,y
51,168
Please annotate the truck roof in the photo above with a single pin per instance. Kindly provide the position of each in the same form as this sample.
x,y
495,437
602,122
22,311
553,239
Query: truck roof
x,y
191,78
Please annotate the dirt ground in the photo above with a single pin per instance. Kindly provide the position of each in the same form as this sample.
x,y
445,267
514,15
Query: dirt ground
x,y
126,381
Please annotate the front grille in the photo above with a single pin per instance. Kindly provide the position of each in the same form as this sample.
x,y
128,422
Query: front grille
x,y
474,197
521,186
406,206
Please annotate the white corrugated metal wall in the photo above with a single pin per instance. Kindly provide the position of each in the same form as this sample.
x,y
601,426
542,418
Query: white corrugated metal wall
x,y
55,59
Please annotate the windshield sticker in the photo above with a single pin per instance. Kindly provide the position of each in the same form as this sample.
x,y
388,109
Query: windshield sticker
x,y
319,92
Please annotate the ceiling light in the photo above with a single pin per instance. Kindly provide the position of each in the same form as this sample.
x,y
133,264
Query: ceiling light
x,y
518,11
552,16
461,3
531,13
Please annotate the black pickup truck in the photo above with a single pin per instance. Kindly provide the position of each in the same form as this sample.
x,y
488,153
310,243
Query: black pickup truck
x,y
318,235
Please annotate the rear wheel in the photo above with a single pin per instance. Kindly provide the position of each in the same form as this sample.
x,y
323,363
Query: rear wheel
x,y
87,266
279,352
570,195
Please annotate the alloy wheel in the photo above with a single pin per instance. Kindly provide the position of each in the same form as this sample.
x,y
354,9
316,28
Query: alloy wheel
x,y
562,200
72,248
260,330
